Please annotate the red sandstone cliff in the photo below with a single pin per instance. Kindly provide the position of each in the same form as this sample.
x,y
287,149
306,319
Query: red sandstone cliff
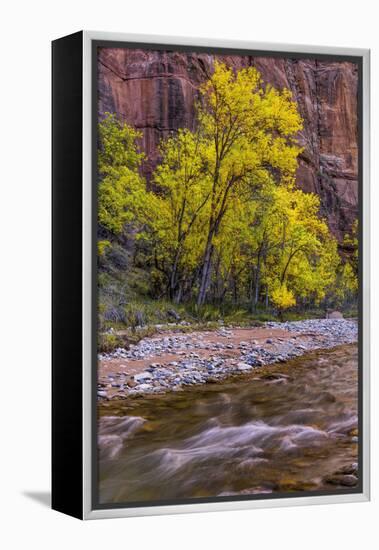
x,y
155,92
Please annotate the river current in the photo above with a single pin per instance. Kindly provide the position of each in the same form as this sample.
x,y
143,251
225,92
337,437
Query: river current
x,y
280,430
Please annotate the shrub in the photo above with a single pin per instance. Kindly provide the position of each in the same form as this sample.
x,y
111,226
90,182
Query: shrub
x,y
107,342
115,314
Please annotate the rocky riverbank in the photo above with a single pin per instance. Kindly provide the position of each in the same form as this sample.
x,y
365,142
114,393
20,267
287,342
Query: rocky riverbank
x,y
172,361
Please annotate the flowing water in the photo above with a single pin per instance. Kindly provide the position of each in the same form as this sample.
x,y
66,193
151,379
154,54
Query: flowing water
x,y
284,428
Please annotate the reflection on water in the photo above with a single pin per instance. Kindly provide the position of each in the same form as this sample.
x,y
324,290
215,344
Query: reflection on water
x,y
278,430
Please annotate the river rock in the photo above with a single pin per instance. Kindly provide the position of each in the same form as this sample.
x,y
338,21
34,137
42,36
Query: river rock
x,y
144,387
350,469
191,368
334,315
347,480
244,367
274,376
142,376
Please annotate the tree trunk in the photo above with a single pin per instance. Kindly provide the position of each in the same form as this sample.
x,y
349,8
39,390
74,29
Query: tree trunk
x,y
257,285
235,290
178,296
251,289
173,276
205,273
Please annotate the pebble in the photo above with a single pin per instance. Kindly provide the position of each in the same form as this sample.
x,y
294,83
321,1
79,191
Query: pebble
x,y
348,480
244,367
347,476
141,377
190,368
145,387
351,469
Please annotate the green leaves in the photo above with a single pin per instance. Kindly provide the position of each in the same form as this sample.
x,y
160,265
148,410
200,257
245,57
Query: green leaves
x,y
118,148
122,191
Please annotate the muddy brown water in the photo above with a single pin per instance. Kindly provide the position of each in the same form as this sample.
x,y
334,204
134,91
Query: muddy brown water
x,y
283,428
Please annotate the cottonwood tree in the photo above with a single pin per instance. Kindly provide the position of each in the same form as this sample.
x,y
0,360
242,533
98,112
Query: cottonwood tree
x,y
223,220
303,257
278,242
250,132
350,244
121,190
183,194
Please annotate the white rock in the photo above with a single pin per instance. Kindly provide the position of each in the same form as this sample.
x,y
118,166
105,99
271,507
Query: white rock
x,y
144,387
244,366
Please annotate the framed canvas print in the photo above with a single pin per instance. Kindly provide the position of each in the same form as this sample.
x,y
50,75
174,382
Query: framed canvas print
x,y
210,275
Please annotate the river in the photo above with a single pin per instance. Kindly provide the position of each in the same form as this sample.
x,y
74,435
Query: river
x,y
281,429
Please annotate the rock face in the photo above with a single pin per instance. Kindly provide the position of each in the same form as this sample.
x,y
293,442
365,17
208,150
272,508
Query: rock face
x,y
155,91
